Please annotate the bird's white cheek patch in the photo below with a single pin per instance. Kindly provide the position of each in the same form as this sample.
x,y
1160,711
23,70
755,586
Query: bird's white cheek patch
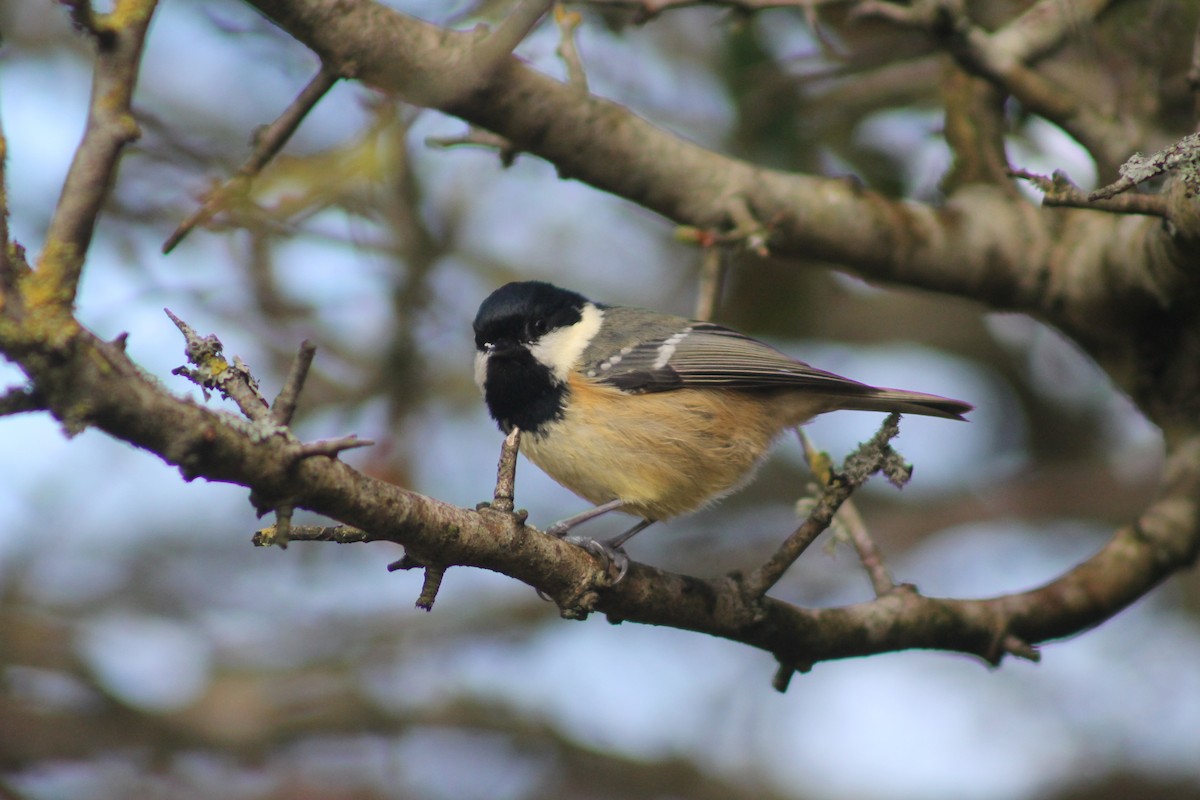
x,y
561,348
481,362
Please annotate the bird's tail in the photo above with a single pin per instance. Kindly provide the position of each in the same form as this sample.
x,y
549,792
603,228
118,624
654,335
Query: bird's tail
x,y
930,405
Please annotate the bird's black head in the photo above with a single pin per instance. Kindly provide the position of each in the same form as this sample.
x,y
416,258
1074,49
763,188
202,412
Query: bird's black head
x,y
525,348
522,312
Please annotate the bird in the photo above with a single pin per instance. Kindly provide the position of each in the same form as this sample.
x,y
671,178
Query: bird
x,y
649,413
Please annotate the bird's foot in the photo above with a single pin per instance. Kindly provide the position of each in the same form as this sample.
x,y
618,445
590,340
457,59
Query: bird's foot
x,y
612,555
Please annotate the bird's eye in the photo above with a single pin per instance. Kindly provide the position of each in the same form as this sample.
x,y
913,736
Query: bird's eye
x,y
539,326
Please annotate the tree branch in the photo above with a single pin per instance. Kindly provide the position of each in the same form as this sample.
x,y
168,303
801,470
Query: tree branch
x,y
1060,190
1004,57
110,126
86,381
871,457
267,143
119,399
984,244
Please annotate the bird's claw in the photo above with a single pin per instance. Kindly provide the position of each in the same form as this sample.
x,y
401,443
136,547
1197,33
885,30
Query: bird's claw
x,y
612,557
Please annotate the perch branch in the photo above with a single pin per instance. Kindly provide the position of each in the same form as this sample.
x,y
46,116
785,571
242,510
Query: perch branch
x,y
506,472
218,446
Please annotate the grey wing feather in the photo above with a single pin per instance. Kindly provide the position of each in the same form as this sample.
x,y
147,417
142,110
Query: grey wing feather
x,y
658,353
711,355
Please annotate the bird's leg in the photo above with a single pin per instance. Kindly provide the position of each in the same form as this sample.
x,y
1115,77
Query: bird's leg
x,y
608,550
561,527
611,550
616,542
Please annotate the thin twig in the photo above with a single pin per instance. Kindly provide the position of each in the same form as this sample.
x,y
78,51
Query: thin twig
x,y
1193,73
8,270
646,10
1004,58
332,447
568,22
343,534
871,457
434,573
284,407
213,371
1059,190
500,43
506,472
83,16
430,586
713,268
852,522
1182,156
283,525
21,400
268,141
478,137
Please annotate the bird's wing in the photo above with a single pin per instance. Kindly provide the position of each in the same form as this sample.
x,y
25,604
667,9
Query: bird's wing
x,y
708,355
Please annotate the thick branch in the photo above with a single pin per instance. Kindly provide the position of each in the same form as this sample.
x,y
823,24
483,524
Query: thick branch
x,y
220,447
1004,58
984,244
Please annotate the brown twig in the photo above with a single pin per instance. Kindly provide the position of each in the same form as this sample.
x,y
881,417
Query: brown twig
x,y
110,127
1060,190
568,22
872,456
331,448
9,272
1182,156
1193,73
506,472
1005,57
646,10
21,400
284,407
268,141
235,382
283,525
213,371
713,268
83,17
499,43
478,137
342,534
430,586
1163,540
852,522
